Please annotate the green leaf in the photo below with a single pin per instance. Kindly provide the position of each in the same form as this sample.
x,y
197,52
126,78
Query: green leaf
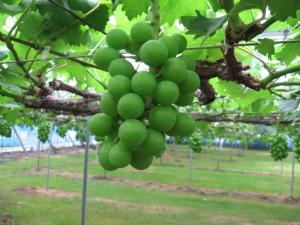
x,y
282,9
289,52
99,17
244,5
266,47
170,10
214,5
201,26
76,36
31,26
133,8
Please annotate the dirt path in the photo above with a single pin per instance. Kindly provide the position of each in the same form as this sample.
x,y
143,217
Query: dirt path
x,y
179,188
57,193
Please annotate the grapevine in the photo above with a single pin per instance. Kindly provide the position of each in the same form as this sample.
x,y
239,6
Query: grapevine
x,y
141,107
195,142
43,131
5,129
278,147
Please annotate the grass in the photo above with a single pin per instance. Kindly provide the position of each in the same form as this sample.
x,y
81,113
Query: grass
x,y
113,203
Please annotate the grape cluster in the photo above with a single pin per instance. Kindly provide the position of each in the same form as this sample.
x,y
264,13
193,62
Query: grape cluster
x,y
62,130
278,147
195,142
141,107
43,131
297,147
5,129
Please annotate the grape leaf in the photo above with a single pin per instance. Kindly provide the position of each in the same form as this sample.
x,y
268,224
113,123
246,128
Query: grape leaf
x,y
99,17
76,36
244,5
31,26
170,10
282,9
289,52
133,8
201,26
266,47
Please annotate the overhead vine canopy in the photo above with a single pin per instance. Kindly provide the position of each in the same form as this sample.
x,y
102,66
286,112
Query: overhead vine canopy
x,y
47,46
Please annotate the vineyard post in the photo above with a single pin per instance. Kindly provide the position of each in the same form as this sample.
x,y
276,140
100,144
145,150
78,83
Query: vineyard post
x,y
38,154
190,165
292,173
85,178
48,164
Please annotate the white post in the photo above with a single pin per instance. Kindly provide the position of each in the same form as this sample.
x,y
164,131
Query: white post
x,y
292,173
190,165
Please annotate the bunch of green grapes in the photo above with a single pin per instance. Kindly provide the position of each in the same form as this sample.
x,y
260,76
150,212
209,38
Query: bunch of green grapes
x,y
141,107
278,147
297,147
62,130
43,131
179,140
5,129
195,142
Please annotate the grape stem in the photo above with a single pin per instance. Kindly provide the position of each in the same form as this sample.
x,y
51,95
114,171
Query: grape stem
x,y
155,18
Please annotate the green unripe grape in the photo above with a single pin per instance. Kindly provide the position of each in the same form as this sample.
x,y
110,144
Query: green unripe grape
x,y
130,106
191,83
154,53
108,105
185,125
162,118
132,132
120,155
181,42
140,161
143,83
153,144
117,38
103,156
100,125
195,142
166,93
278,147
185,99
118,86
104,56
121,66
141,32
171,44
189,62
174,70
5,129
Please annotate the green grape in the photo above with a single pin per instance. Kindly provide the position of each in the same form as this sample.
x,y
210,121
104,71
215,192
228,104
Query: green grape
x,y
140,107
43,131
5,129
278,147
195,142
